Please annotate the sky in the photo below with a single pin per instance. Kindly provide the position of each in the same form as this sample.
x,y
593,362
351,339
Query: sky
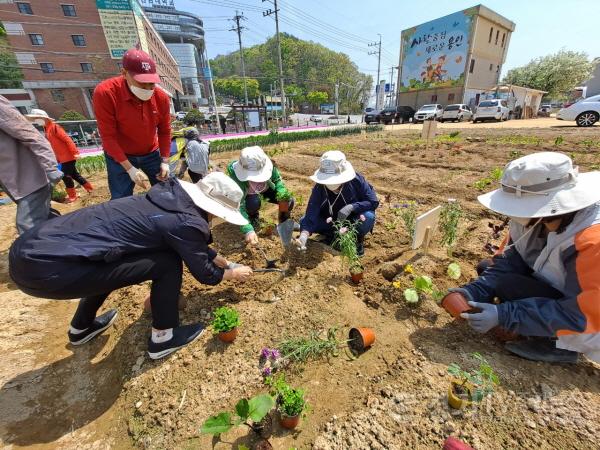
x,y
542,26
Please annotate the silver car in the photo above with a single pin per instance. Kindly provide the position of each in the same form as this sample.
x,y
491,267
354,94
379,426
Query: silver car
x,y
428,112
457,113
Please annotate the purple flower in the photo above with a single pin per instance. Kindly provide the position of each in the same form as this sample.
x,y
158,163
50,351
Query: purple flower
x,y
275,354
396,205
405,205
266,371
265,353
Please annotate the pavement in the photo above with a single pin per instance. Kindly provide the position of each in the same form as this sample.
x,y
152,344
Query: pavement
x,y
542,122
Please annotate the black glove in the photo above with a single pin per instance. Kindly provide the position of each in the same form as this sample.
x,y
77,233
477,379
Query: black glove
x,y
345,212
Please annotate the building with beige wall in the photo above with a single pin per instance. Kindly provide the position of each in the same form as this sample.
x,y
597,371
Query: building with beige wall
x,y
453,59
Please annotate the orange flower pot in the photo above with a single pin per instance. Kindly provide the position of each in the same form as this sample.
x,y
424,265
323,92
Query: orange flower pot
x,y
228,336
357,277
361,339
455,304
284,206
288,422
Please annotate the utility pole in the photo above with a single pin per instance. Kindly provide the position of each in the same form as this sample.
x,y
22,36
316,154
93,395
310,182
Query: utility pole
x,y
337,87
378,52
265,14
392,90
239,29
212,91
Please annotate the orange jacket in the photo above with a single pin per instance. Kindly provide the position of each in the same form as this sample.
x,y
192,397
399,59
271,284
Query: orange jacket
x,y
63,146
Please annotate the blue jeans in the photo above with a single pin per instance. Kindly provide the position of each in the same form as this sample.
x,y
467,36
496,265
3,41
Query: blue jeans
x,y
326,229
119,183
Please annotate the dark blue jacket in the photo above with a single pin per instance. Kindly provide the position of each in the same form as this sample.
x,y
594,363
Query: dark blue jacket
x,y
357,192
163,219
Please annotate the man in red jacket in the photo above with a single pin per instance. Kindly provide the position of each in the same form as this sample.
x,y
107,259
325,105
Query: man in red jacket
x,y
134,123
64,149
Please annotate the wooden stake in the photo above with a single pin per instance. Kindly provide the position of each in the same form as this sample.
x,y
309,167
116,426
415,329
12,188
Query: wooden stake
x,y
427,239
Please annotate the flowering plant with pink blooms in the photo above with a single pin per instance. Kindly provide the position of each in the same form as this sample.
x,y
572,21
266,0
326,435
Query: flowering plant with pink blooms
x,y
346,234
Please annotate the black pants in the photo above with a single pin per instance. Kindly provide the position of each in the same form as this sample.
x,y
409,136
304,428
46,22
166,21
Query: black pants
x,y
512,286
253,204
194,176
94,281
70,170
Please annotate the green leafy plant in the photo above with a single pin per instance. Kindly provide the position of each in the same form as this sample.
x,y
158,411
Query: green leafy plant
x,y
454,271
449,218
225,319
254,409
91,164
58,195
454,134
313,346
72,115
290,401
559,140
483,379
514,154
495,175
408,213
346,235
284,196
422,285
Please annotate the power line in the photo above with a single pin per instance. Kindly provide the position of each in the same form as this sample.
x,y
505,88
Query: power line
x,y
378,53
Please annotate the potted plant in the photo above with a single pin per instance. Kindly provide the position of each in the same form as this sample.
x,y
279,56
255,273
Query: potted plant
x,y
360,339
225,323
283,198
456,304
267,227
346,234
471,387
290,402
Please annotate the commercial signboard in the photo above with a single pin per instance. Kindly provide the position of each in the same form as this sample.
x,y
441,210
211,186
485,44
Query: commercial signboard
x,y
434,54
119,25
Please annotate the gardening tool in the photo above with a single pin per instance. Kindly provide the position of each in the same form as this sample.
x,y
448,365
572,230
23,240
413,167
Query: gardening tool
x,y
269,269
285,230
270,262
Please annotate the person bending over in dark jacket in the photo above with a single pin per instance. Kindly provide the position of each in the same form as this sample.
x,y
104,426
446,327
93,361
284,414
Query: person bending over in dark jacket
x,y
340,193
93,251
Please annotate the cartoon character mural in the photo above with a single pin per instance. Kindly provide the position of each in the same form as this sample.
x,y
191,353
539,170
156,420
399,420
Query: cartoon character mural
x,y
435,53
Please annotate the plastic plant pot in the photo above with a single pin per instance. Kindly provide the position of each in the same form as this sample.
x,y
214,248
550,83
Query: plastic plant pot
x,y
455,400
360,339
288,422
455,304
284,206
228,336
267,230
356,277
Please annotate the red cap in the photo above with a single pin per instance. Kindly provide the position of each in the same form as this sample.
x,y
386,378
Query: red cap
x,y
141,67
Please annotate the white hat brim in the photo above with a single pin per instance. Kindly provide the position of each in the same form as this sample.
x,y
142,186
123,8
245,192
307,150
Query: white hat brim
x,y
581,195
334,178
256,176
203,201
37,116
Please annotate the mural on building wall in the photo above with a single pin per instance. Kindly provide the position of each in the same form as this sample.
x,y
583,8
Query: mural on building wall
x,y
435,52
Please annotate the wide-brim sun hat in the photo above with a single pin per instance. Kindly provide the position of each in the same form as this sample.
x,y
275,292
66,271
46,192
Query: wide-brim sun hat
x,y
543,184
334,168
38,114
219,195
253,165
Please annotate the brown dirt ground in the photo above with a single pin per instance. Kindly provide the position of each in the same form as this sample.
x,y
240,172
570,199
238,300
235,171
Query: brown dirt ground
x,y
108,394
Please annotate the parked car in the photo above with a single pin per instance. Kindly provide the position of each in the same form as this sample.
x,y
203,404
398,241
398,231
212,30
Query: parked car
x,y
429,112
180,115
315,119
372,117
397,114
369,110
494,109
457,113
585,112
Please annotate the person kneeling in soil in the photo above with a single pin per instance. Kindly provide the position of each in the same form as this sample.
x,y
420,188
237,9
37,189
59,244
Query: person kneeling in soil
x,y
93,251
546,279
340,193
259,179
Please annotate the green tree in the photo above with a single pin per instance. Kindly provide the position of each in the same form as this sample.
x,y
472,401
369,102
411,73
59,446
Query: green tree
x,y
10,73
234,87
557,73
72,115
193,117
315,98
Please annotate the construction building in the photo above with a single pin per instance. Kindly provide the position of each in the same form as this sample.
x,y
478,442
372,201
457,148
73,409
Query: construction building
x,y
65,50
453,59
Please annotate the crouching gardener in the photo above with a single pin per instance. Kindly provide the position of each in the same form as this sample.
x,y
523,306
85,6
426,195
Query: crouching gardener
x,y
93,251
547,278
339,194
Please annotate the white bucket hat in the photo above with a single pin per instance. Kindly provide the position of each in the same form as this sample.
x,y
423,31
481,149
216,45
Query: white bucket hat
x,y
334,169
38,114
543,184
217,194
253,165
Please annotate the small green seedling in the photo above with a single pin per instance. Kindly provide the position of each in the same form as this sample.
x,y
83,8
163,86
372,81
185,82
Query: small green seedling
x,y
254,409
559,140
225,319
423,285
449,218
346,235
313,346
483,379
284,196
408,213
454,271
290,401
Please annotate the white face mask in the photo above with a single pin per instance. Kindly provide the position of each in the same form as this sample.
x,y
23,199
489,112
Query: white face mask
x,y
143,94
40,122
521,220
333,187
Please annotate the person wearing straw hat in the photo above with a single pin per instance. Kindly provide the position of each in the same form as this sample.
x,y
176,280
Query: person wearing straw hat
x,y
93,251
546,280
340,193
28,168
259,179
65,150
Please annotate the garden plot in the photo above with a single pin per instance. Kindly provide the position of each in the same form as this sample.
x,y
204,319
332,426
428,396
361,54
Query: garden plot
x,y
392,396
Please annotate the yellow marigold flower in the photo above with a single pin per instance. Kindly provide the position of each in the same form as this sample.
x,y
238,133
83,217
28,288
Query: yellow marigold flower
x,y
409,269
